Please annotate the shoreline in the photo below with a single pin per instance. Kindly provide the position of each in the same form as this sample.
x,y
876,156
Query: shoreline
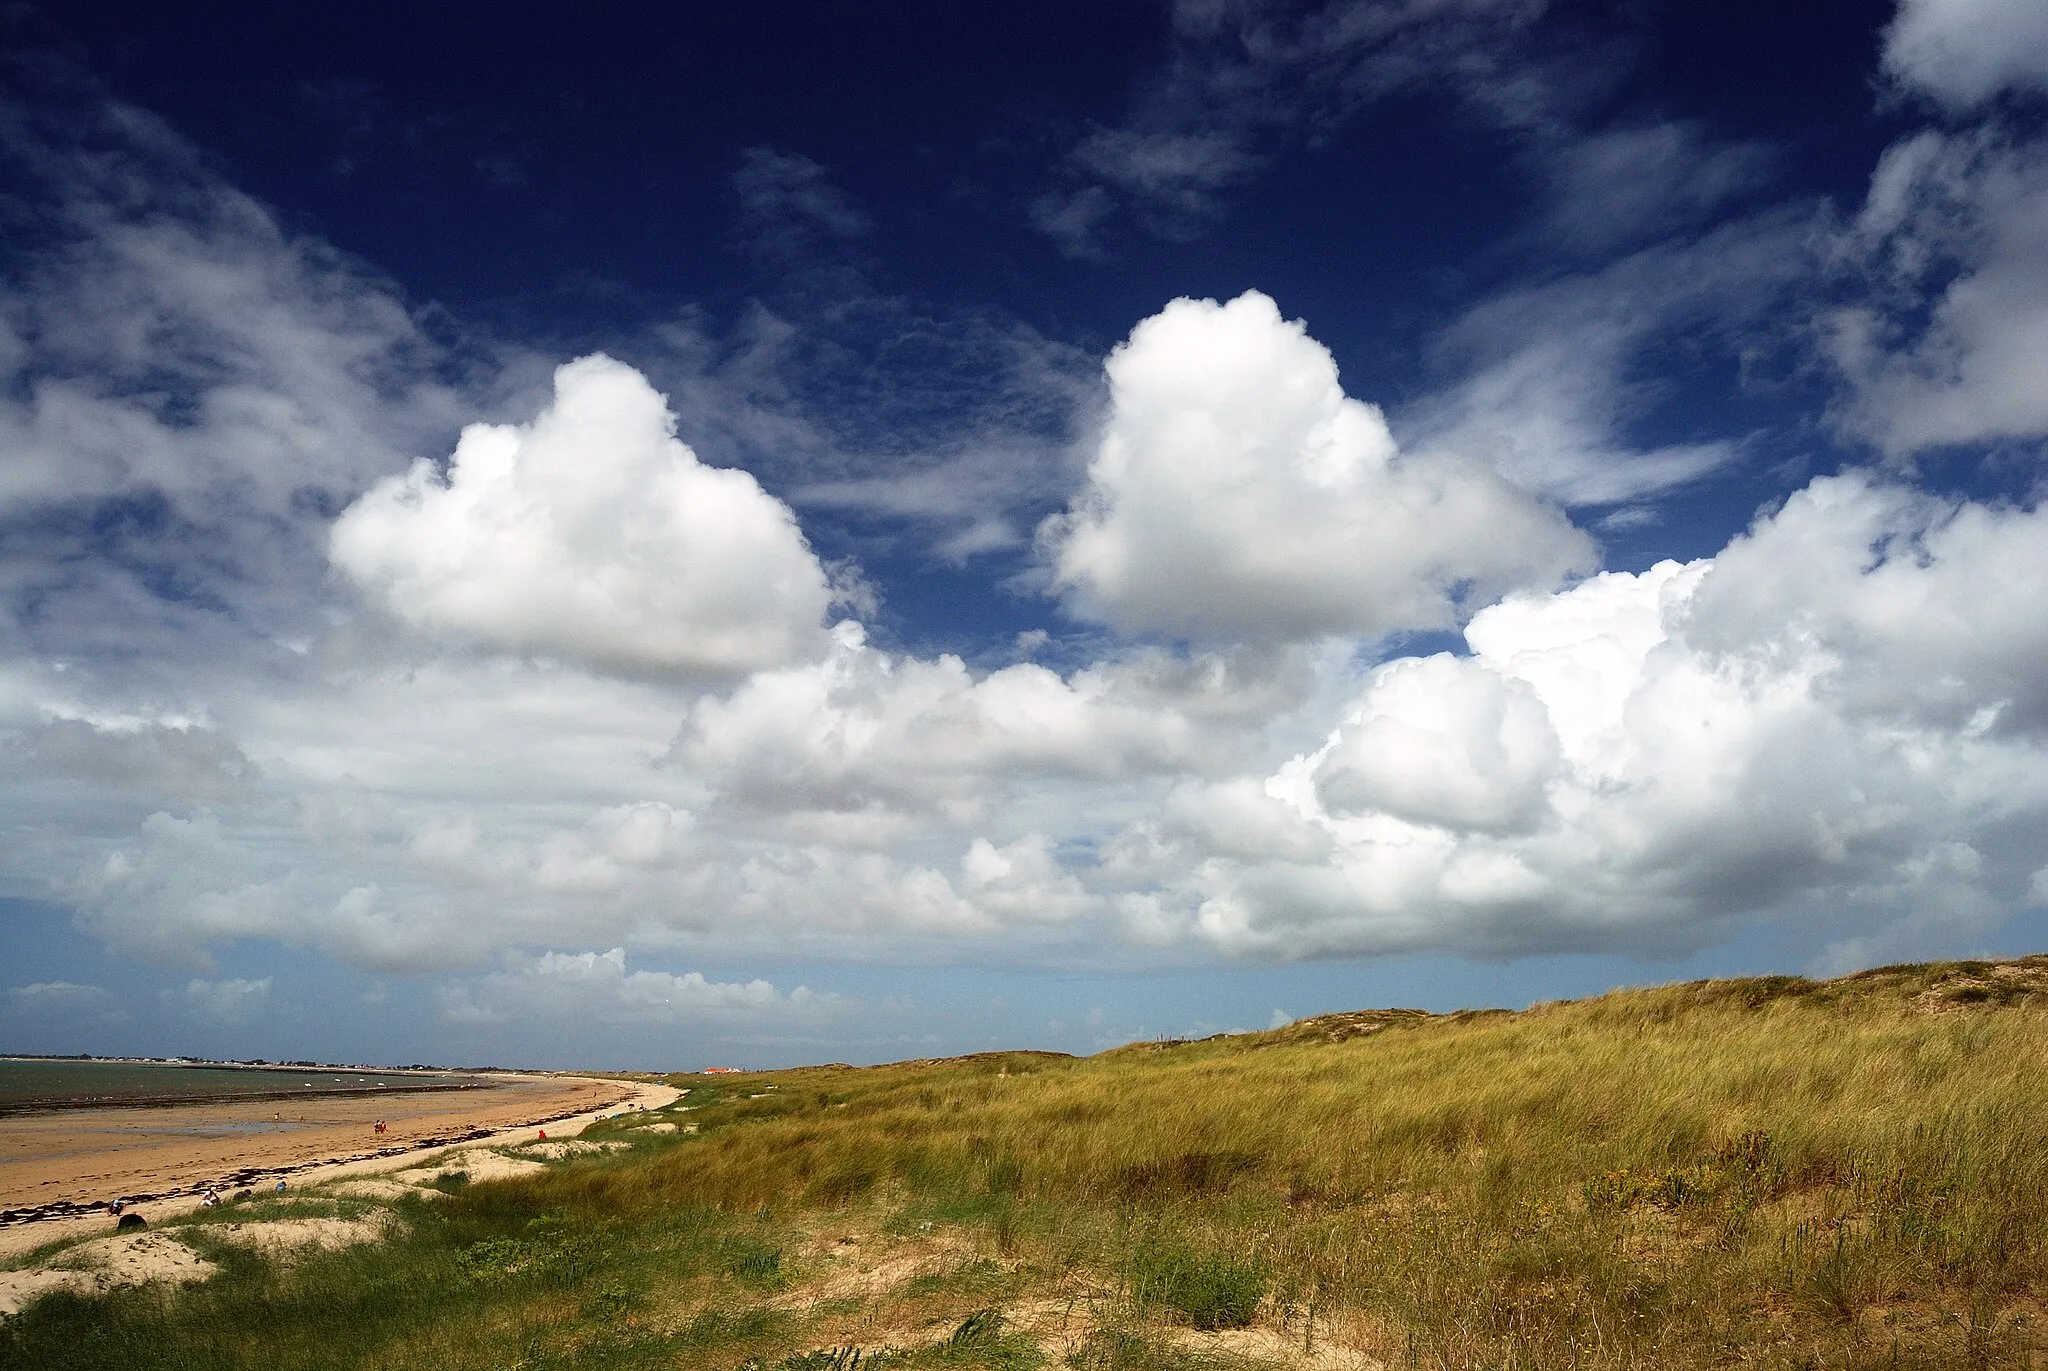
x,y
60,1106
406,1079
23,1227
231,1064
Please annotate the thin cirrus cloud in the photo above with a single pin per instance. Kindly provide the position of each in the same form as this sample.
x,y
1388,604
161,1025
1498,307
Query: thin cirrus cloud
x,y
1547,387
1243,80
789,206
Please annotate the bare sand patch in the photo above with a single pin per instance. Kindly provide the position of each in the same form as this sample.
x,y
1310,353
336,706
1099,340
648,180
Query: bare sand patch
x,y
861,1267
574,1147
1060,1324
103,1264
380,1188
284,1236
17,1288
1271,1346
479,1164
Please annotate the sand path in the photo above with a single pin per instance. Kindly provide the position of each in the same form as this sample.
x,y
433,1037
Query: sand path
x,y
93,1156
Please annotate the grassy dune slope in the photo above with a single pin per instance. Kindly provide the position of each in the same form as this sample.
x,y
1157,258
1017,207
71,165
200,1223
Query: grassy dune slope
x,y
1768,1172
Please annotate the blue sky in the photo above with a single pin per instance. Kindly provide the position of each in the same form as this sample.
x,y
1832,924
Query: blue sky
x,y
861,532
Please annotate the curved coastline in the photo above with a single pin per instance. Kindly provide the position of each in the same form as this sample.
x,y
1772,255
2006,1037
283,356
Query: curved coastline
x,y
579,1101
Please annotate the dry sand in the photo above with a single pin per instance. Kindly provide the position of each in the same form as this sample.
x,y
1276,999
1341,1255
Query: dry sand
x,y
126,1259
93,1156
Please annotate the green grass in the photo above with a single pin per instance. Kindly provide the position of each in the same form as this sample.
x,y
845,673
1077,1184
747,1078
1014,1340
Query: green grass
x,y
1770,1172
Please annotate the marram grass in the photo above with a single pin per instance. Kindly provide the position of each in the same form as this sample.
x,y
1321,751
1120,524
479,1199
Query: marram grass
x,y
1770,1173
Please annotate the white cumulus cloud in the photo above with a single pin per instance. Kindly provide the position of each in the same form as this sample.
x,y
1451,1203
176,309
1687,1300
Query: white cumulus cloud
x,y
1239,494
1836,721
1438,743
592,533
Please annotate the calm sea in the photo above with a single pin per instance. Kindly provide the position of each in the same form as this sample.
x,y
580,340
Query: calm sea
x,y
69,1084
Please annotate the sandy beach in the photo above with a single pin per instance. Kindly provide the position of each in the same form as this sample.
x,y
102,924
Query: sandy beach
x,y
92,1156
468,1140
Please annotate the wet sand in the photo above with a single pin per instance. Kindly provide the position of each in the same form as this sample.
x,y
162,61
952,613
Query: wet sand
x,y
92,1156
119,1258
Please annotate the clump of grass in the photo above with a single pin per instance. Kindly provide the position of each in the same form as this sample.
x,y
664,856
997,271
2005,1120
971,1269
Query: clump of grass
x,y
1211,1289
752,1262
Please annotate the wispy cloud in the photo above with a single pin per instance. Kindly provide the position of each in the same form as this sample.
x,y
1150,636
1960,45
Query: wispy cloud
x,y
598,986
789,207
228,1003
1246,79
59,1001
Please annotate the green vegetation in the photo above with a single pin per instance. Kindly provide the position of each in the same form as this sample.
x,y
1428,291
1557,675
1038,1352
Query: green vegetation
x,y
1771,1172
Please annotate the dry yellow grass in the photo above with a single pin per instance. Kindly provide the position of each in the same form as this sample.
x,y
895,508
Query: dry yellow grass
x,y
1771,1173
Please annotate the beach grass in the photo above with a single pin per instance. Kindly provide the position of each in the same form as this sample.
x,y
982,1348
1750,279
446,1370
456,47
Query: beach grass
x,y
1771,1172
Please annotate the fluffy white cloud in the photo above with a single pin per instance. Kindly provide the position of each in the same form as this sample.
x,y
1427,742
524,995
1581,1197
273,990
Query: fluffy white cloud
x,y
865,728
594,534
1435,742
1838,719
1964,52
1239,494
182,886
1953,342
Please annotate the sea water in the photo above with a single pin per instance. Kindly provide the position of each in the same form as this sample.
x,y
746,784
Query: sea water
x,y
27,1083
